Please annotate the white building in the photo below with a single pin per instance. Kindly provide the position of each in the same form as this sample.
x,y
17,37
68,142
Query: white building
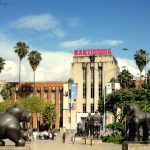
x,y
90,74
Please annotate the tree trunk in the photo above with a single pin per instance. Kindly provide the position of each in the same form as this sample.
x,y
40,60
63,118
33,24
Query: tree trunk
x,y
34,82
140,75
19,71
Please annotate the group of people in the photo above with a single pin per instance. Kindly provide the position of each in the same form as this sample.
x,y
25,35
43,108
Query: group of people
x,y
45,135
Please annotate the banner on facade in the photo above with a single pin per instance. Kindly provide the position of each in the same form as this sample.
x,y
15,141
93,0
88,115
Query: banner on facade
x,y
73,91
73,106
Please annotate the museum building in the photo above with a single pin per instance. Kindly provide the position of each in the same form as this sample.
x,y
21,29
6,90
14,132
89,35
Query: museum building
x,y
92,72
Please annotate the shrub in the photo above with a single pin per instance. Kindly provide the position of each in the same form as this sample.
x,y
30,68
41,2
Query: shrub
x,y
115,138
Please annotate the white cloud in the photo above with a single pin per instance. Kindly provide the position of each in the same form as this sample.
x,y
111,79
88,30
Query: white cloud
x,y
82,43
37,22
59,32
110,42
74,22
55,66
75,44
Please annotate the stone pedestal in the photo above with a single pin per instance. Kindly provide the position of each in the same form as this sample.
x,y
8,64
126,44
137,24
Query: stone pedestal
x,y
9,145
27,147
86,140
135,146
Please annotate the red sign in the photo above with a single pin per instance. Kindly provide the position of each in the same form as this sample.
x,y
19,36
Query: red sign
x,y
92,52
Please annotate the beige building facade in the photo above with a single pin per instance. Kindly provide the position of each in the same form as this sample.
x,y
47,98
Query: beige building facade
x,y
91,75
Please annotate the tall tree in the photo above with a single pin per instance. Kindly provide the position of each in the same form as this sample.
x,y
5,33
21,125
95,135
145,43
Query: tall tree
x,y
21,49
2,63
125,78
49,115
141,59
34,58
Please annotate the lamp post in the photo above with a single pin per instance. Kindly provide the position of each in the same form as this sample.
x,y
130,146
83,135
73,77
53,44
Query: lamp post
x,y
104,93
70,82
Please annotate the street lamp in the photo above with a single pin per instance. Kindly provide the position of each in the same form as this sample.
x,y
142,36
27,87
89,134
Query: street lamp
x,y
104,93
70,82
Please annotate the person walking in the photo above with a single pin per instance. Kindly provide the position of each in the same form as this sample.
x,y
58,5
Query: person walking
x,y
63,137
73,137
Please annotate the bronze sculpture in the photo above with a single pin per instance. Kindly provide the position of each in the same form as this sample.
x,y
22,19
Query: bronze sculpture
x,y
96,121
137,119
10,127
88,127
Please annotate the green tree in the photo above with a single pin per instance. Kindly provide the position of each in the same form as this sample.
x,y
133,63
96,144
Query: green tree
x,y
32,104
7,91
141,59
21,49
4,105
2,63
125,78
124,97
49,114
34,58
148,77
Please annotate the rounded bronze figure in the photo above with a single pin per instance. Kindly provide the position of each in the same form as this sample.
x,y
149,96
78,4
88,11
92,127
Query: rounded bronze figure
x,y
96,121
10,125
137,119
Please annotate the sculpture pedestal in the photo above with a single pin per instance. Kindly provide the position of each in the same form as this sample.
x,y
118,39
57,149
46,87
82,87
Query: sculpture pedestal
x,y
9,145
86,140
135,146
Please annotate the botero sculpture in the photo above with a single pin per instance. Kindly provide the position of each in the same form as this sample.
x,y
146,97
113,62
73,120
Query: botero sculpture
x,y
137,119
10,127
96,121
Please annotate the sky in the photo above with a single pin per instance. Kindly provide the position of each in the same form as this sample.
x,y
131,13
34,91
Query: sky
x,y
57,27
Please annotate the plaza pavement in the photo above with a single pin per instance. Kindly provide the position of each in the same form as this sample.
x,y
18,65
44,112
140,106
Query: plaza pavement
x,y
58,145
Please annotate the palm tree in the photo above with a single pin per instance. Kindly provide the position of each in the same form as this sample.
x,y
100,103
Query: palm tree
x,y
141,59
125,78
34,58
2,63
21,49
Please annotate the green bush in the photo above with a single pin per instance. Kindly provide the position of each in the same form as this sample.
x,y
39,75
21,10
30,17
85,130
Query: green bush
x,y
115,138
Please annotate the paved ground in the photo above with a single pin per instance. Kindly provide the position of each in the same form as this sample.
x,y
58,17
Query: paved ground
x,y
58,145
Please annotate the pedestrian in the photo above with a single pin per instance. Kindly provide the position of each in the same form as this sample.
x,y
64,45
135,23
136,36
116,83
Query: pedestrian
x,y
63,137
73,137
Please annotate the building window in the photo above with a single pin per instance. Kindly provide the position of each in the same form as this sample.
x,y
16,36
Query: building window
x,y
84,108
100,81
84,82
53,96
38,92
46,93
23,91
61,94
92,108
31,91
92,82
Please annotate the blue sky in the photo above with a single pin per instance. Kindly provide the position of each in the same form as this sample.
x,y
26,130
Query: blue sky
x,y
57,27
